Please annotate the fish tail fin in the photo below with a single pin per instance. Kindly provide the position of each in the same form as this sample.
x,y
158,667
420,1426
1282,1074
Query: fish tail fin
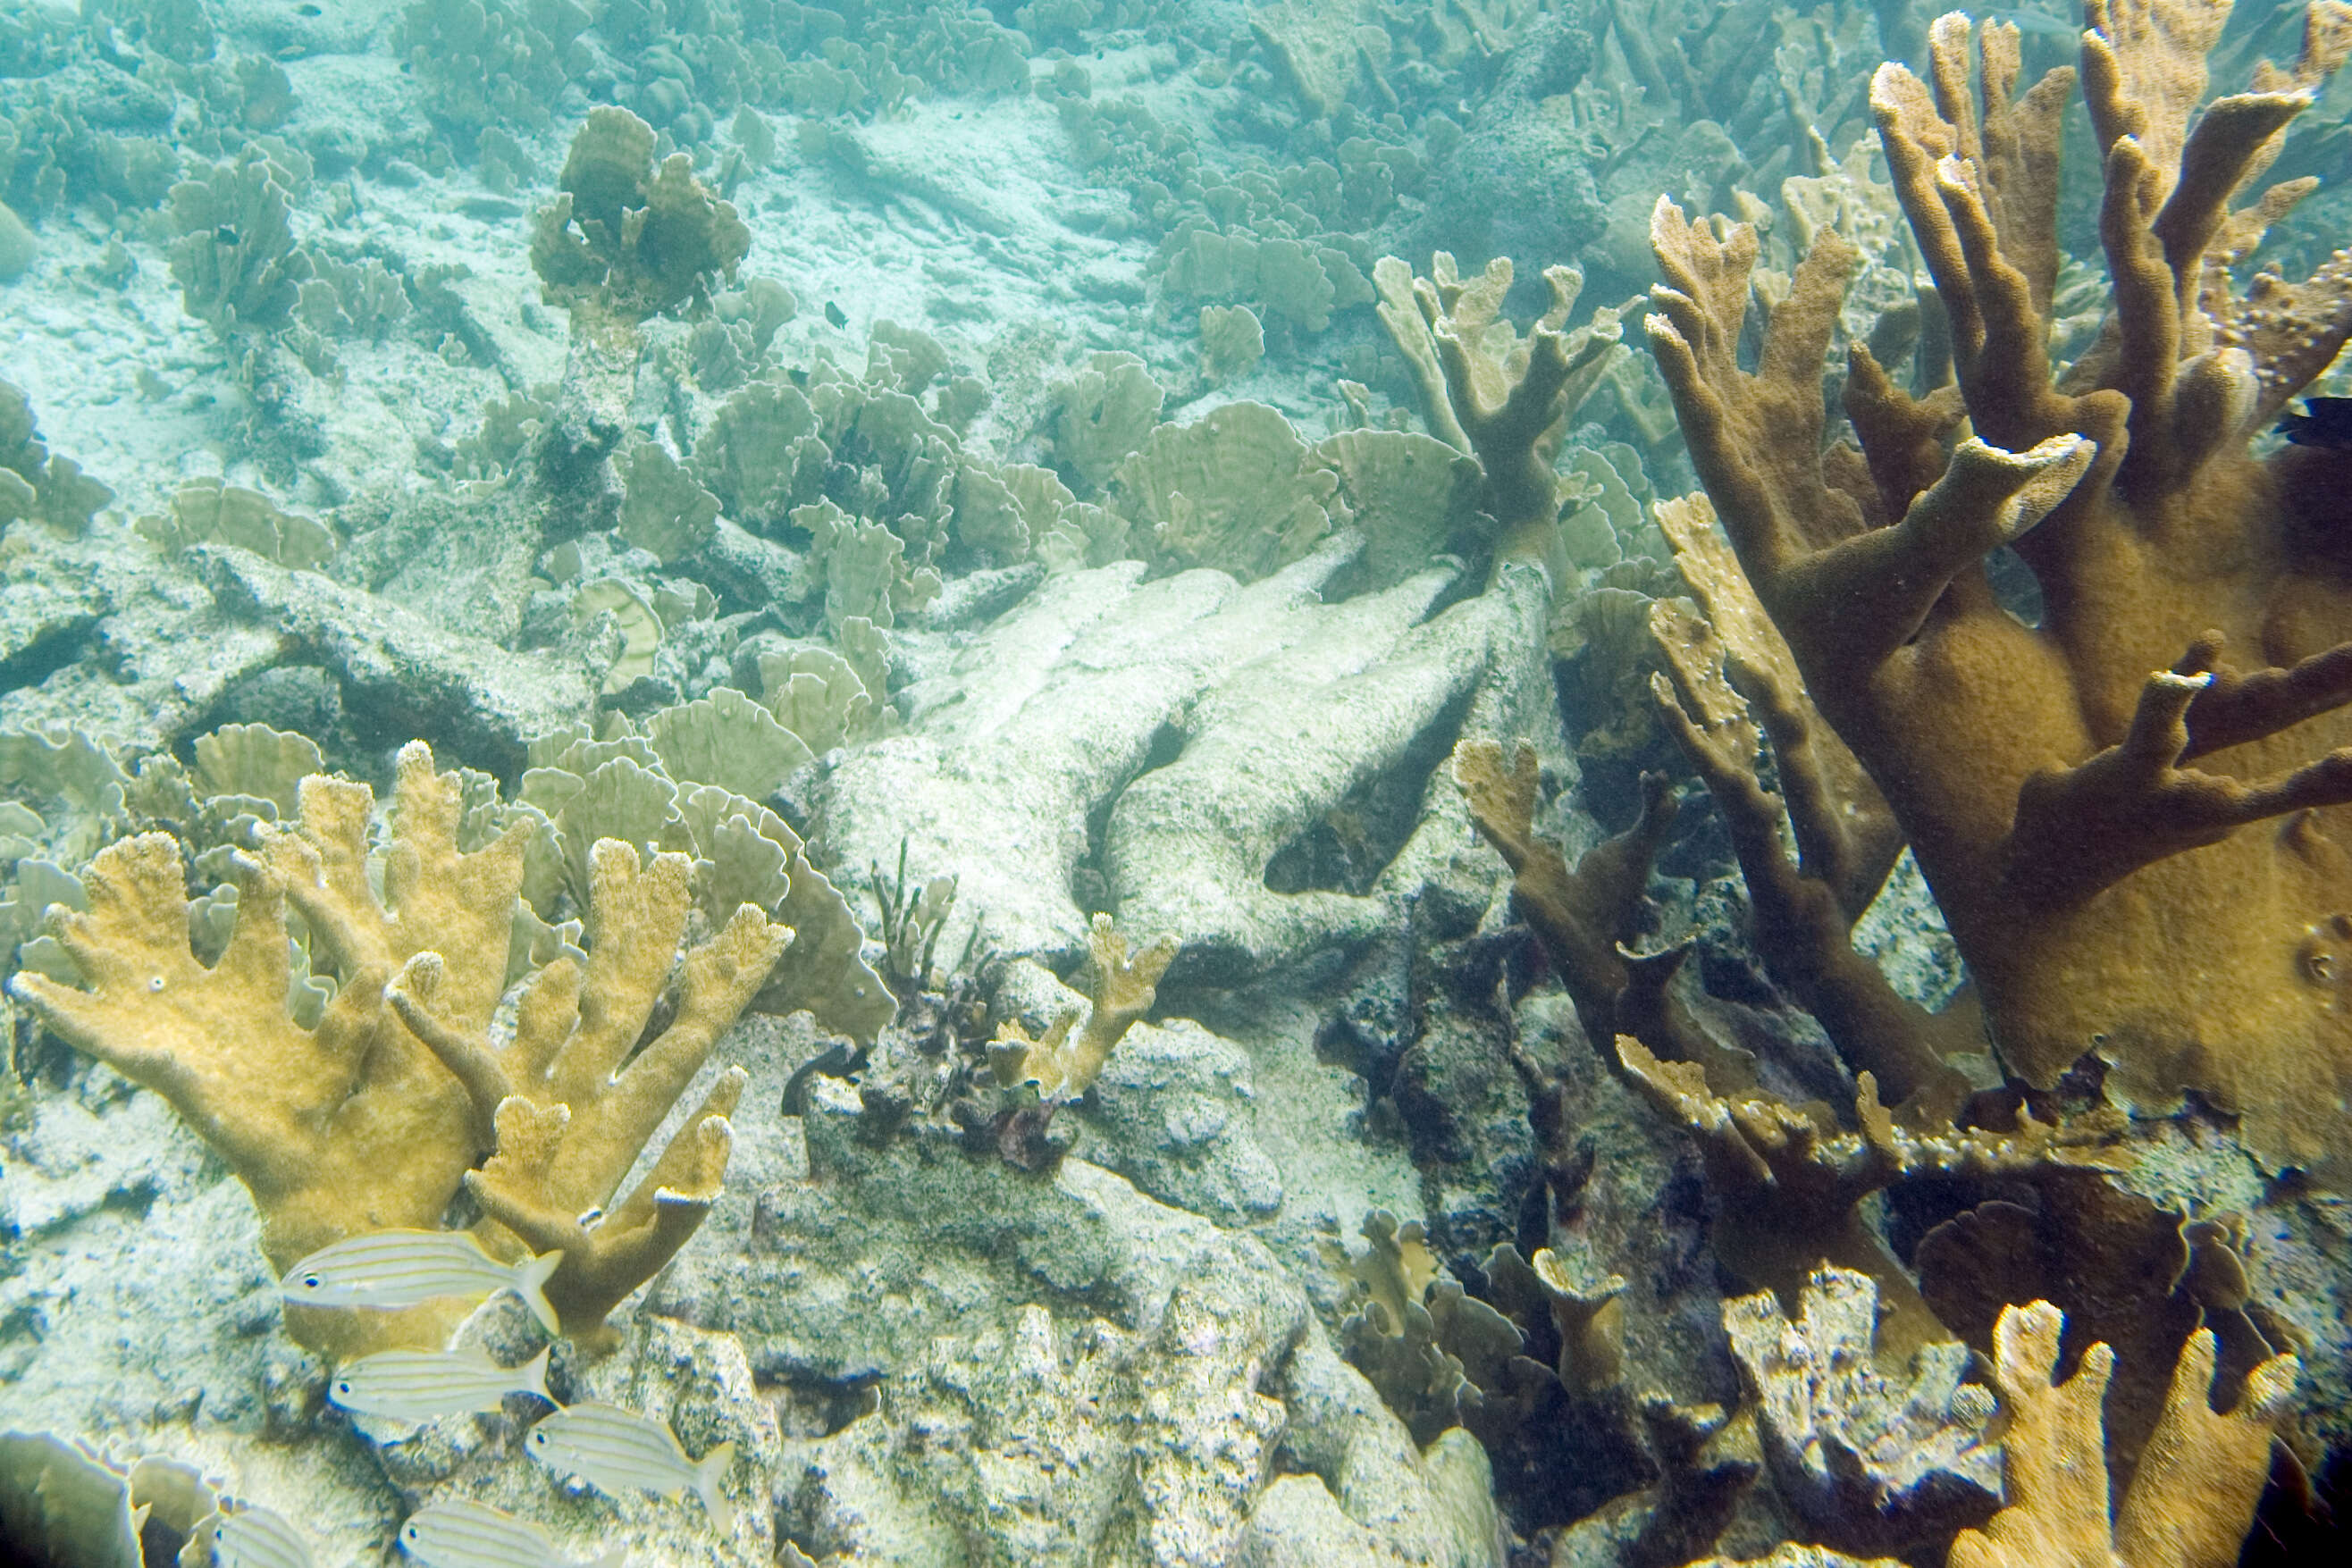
x,y
530,1276
534,1375
709,1471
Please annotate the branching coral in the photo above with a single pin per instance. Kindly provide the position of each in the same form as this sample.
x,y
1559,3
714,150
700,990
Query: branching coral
x,y
1789,1182
1730,682
2194,1496
372,1120
1065,1063
2137,1275
1489,393
1586,917
2083,794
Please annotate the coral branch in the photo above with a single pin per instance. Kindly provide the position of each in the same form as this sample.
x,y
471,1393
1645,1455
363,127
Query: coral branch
x,y
2038,771
2198,1483
371,1120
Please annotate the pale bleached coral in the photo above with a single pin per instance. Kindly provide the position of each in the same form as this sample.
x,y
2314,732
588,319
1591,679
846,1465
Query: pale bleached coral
x,y
1102,413
207,511
235,259
628,236
663,509
36,482
1237,490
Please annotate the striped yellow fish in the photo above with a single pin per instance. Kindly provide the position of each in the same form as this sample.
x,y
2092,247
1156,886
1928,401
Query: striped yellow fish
x,y
419,1386
402,1268
616,1450
255,1537
460,1534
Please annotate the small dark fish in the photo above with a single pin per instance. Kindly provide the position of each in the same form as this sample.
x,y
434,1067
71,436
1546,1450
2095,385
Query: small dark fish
x,y
2325,421
833,314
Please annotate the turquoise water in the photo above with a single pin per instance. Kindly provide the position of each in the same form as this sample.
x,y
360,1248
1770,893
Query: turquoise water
x,y
1119,782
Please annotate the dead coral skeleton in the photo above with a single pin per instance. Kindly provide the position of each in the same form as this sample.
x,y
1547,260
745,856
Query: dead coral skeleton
x,y
1874,1461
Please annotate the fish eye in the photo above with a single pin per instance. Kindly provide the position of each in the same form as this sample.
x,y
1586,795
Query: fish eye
x,y
344,1386
311,1281
408,1531
540,1437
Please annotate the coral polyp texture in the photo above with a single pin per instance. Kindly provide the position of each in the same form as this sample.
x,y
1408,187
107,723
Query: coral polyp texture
x,y
2129,800
371,1119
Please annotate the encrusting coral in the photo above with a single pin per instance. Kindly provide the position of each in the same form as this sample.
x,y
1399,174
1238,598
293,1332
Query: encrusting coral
x,y
2084,793
372,1120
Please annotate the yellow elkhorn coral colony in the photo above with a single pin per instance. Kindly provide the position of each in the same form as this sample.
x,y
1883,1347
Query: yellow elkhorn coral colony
x,y
372,1120
2131,809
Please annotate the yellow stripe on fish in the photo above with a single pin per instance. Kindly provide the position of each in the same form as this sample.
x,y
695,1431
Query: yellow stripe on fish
x,y
256,1538
616,1450
421,1386
388,1269
461,1534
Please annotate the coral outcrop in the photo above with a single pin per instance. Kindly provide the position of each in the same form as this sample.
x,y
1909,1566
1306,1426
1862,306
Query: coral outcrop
x,y
635,238
371,1119
2123,786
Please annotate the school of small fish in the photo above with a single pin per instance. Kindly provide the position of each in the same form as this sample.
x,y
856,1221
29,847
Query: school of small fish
x,y
615,1450
389,1269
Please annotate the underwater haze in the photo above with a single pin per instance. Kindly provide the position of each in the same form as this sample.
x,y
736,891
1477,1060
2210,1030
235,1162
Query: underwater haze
x,y
1174,783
